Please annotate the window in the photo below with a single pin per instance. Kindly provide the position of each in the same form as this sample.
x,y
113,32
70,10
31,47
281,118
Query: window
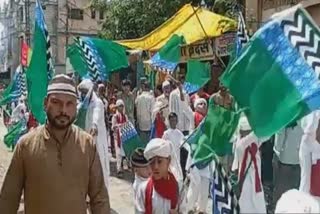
x,y
76,14
93,13
101,14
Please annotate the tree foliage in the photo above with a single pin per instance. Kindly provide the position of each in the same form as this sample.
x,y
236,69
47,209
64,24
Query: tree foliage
x,y
129,19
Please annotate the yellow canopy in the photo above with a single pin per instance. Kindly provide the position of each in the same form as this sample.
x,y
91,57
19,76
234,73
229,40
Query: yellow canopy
x,y
185,22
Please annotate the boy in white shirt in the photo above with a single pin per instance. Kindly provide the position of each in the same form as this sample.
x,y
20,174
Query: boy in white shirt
x,y
141,172
247,161
173,134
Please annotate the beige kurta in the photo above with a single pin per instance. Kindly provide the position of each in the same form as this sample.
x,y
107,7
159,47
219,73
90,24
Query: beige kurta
x,y
55,177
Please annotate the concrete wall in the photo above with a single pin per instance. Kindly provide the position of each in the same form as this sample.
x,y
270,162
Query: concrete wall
x,y
87,27
268,7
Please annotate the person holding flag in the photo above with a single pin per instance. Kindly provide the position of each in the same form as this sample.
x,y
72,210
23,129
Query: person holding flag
x,y
95,124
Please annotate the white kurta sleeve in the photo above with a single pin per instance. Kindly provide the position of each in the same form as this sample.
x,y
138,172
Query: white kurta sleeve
x,y
140,200
98,113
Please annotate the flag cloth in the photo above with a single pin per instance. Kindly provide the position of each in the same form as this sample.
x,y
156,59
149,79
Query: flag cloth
x,y
24,53
96,58
169,55
198,74
40,69
13,91
14,133
130,139
223,198
276,76
213,134
242,35
82,110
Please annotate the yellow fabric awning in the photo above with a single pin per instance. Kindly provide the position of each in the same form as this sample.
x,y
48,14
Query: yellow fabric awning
x,y
185,22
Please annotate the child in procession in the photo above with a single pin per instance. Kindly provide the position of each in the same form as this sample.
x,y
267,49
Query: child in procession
x,y
163,192
247,161
141,171
173,134
118,120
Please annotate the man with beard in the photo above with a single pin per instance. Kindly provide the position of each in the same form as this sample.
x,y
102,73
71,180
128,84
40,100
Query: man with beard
x,y
56,165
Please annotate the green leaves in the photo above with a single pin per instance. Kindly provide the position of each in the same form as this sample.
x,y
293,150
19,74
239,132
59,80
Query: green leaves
x,y
129,19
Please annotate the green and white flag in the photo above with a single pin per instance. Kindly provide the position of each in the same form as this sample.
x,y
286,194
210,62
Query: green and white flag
x,y
213,134
275,79
95,58
40,70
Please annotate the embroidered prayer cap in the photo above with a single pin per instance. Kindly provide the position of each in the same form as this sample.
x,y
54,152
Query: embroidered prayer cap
x,y
199,101
158,147
295,201
62,84
119,103
165,84
138,159
85,84
244,124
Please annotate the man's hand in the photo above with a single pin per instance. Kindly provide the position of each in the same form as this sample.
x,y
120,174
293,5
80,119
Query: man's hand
x,y
94,131
173,212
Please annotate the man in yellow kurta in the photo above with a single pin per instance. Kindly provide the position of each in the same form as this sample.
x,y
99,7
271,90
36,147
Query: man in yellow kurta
x,y
56,165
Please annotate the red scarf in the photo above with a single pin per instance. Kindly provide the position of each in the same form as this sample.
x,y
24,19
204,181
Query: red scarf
x,y
252,150
315,179
121,119
160,126
166,188
198,117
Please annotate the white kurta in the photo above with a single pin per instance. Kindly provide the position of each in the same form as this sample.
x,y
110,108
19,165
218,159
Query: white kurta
x,y
176,137
159,205
138,181
309,149
182,109
95,118
197,196
144,105
250,201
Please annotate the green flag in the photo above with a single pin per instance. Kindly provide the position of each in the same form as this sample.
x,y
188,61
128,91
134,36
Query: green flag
x,y
130,139
40,69
96,58
213,135
275,78
171,51
13,134
12,92
198,74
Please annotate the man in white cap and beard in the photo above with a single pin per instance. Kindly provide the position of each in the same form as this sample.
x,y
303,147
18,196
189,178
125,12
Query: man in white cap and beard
x,y
56,166
95,124
162,193
247,160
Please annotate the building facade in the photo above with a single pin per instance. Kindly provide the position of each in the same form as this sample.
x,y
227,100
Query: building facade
x,y
65,19
259,11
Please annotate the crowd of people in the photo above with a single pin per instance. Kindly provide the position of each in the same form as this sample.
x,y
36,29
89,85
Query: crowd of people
x,y
61,168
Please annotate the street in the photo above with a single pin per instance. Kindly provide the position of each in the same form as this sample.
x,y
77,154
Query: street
x,y
120,190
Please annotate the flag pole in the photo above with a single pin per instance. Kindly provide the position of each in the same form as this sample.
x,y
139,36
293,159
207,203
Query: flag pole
x,y
206,35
